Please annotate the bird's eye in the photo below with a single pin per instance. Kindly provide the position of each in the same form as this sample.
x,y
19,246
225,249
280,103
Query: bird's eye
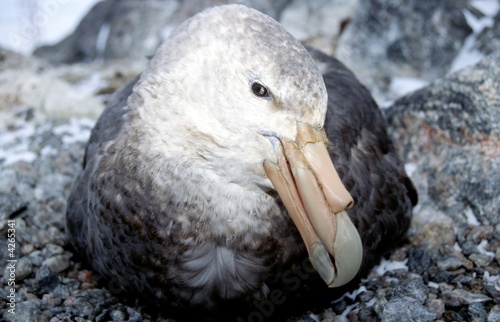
x,y
260,90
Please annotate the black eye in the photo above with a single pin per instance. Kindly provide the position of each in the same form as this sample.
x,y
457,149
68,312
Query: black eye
x,y
260,90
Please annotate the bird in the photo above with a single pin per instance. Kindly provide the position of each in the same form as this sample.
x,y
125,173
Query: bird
x,y
239,173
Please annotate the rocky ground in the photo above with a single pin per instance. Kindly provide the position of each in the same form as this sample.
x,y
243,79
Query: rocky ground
x,y
448,133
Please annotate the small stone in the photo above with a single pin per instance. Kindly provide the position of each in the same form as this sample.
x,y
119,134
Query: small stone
x,y
58,263
440,231
494,315
23,268
459,297
481,260
379,306
469,248
477,312
437,306
118,315
420,259
52,250
406,309
36,258
46,280
496,232
50,300
493,288
449,263
26,311
26,249
414,288
479,233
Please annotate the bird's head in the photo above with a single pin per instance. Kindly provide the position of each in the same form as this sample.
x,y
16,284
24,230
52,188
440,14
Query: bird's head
x,y
249,100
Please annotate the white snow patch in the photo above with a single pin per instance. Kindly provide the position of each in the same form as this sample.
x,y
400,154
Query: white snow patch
x,y
386,266
468,54
488,7
410,168
433,285
351,295
371,302
401,86
14,144
471,218
482,250
90,85
102,39
314,317
78,130
457,247
491,278
48,150
348,309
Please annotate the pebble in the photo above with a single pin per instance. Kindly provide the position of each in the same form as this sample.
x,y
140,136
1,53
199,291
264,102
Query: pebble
x,y
477,312
58,263
460,297
479,233
481,260
46,280
437,306
494,315
24,268
493,288
449,263
414,288
406,309
26,311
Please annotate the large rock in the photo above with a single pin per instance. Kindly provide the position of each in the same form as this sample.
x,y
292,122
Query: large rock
x,y
404,38
318,23
450,131
133,29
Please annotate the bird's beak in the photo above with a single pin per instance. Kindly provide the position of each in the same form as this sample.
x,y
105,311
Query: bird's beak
x,y
316,199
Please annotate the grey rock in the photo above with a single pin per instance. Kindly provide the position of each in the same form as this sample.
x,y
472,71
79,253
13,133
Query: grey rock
x,y
24,267
436,232
414,288
58,263
449,263
481,260
51,300
477,234
437,306
493,288
488,41
380,306
494,315
318,23
406,309
26,311
420,259
11,205
477,312
404,38
460,297
46,280
450,130
469,247
116,29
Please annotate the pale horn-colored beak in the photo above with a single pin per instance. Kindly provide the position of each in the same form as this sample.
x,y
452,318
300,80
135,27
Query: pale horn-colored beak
x,y
316,199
